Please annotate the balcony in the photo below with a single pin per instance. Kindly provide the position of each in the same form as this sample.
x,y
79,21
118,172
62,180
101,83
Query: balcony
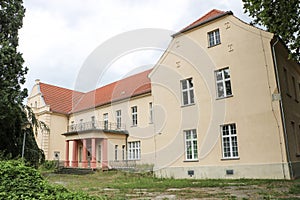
x,y
97,126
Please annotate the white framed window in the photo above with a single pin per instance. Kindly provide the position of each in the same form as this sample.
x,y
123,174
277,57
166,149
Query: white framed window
x,y
73,126
214,38
229,141
150,112
123,152
93,122
223,83
187,89
80,154
105,120
119,118
81,124
134,150
191,145
134,115
116,152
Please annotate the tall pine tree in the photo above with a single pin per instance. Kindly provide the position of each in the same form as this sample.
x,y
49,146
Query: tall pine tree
x,y
13,113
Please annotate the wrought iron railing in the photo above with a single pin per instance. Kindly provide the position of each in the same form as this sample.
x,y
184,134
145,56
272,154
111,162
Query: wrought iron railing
x,y
96,125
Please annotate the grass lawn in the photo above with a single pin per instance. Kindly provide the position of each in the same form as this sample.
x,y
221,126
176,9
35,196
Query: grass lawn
x,y
121,185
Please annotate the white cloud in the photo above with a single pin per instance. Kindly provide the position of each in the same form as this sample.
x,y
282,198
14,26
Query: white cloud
x,y
58,35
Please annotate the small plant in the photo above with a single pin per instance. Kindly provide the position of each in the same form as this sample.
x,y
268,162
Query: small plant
x,y
49,165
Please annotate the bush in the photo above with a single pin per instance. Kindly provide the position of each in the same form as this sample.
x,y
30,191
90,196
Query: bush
x,y
49,165
18,181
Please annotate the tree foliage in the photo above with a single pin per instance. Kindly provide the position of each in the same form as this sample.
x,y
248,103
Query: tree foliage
x,y
13,114
279,17
18,181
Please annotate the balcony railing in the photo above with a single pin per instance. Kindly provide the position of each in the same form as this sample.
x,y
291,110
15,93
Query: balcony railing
x,y
96,125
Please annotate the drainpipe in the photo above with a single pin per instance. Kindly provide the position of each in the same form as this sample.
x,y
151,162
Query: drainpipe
x,y
281,110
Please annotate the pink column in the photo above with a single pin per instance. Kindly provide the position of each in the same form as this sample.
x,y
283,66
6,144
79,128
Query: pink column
x,y
104,154
93,162
67,162
75,154
84,153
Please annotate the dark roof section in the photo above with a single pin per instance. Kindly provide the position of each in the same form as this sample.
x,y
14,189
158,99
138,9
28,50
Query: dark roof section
x,y
210,16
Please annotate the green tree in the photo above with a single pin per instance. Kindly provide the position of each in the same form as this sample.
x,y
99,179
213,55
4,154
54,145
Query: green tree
x,y
13,114
279,17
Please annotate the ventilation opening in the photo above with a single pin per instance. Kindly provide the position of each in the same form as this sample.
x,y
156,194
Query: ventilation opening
x,y
191,173
229,172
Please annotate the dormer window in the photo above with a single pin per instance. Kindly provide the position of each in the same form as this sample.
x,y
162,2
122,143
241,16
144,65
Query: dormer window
x,y
214,38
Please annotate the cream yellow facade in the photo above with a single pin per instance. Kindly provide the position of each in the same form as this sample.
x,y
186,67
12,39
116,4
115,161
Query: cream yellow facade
x,y
51,141
223,103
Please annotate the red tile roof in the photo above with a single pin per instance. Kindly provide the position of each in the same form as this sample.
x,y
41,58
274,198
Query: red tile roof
x,y
128,87
211,15
66,101
59,99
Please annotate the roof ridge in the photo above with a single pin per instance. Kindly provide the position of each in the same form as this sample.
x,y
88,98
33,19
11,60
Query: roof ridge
x,y
60,87
115,82
209,16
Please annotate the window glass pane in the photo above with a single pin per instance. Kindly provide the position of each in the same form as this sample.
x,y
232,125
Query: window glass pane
x,y
190,83
192,96
185,98
194,134
217,35
228,88
219,75
226,73
220,89
225,130
188,135
184,84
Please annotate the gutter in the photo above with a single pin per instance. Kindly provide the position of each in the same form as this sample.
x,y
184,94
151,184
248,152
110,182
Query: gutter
x,y
281,110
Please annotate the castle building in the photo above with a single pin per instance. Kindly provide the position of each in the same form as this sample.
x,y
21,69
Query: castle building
x,y
221,102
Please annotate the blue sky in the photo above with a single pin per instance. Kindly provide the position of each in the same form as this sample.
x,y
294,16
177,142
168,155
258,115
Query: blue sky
x,y
59,35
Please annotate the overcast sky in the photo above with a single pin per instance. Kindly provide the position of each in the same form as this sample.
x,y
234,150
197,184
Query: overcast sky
x,y
59,35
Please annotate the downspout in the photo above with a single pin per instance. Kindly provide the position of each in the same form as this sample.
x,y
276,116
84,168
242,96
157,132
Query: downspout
x,y
281,110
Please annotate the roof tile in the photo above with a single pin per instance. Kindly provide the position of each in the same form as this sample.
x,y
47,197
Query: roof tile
x,y
66,101
205,18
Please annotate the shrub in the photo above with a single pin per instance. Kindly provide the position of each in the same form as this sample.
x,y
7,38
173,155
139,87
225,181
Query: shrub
x,y
18,181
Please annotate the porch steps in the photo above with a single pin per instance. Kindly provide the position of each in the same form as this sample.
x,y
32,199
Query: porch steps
x,y
77,171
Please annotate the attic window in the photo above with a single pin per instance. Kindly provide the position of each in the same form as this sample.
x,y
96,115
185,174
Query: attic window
x,y
123,92
214,38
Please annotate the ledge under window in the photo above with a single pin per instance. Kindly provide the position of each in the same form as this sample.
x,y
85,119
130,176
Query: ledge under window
x,y
191,161
213,45
218,98
187,105
231,158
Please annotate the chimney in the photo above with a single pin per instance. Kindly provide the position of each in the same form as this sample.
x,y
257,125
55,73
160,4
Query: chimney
x,y
37,81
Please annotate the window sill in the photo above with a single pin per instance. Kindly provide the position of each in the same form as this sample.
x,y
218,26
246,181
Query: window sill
x,y
297,154
289,95
187,105
234,158
132,126
219,98
214,45
297,101
191,161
